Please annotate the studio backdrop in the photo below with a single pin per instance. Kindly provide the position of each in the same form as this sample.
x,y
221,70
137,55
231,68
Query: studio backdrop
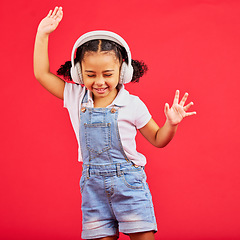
x,y
190,45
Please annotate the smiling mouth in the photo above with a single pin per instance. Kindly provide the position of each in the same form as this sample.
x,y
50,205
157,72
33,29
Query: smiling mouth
x,y
100,90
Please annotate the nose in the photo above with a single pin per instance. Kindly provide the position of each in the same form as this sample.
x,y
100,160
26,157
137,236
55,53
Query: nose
x,y
99,81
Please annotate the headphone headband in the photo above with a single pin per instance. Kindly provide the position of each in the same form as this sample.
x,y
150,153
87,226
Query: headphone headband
x,y
106,35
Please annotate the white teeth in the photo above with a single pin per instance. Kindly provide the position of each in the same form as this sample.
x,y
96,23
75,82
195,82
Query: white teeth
x,y
100,89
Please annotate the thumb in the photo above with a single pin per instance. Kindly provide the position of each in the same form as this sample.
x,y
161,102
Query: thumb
x,y
166,107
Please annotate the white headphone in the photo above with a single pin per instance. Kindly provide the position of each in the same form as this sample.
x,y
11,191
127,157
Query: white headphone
x,y
126,68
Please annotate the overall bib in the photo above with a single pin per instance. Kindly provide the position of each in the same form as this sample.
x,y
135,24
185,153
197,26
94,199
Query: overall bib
x,y
115,195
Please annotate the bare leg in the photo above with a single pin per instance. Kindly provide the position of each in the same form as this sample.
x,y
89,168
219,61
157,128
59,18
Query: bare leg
x,y
142,236
107,238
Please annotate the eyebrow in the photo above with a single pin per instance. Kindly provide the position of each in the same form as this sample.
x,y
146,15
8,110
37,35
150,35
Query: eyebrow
x,y
90,71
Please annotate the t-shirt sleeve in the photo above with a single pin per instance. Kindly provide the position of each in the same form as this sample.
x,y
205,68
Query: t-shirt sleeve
x,y
71,94
66,95
142,115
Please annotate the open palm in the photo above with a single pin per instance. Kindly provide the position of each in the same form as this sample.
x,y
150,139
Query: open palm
x,y
51,21
178,111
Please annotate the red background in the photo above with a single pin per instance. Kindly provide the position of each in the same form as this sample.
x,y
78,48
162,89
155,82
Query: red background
x,y
190,45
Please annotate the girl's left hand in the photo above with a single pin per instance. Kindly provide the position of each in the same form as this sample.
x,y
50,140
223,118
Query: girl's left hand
x,y
178,111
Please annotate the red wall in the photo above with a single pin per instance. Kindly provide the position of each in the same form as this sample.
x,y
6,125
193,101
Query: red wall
x,y
188,45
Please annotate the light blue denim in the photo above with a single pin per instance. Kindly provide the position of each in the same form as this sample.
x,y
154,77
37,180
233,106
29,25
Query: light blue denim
x,y
115,194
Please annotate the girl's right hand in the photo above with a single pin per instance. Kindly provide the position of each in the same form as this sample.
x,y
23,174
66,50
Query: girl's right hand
x,y
51,21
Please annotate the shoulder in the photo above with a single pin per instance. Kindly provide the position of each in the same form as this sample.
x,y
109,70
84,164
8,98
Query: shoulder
x,y
72,93
136,102
135,109
125,99
72,87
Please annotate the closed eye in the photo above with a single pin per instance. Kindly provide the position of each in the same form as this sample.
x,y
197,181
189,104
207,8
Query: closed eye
x,y
107,75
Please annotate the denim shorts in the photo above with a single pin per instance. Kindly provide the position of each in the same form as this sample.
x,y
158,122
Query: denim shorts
x,y
115,198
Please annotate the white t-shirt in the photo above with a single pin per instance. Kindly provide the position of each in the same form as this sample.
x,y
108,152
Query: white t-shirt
x,y
133,114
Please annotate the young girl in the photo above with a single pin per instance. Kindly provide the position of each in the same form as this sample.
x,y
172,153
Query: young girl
x,y
105,118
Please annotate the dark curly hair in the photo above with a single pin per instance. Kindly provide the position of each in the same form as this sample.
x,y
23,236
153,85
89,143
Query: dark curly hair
x,y
139,67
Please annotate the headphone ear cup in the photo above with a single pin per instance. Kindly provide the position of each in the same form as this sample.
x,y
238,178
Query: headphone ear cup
x,y
122,73
76,73
126,73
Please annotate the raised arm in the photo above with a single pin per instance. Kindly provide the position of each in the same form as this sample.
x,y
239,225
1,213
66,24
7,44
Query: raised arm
x,y
48,80
160,137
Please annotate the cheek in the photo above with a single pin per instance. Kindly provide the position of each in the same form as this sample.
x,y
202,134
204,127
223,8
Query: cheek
x,y
114,81
87,83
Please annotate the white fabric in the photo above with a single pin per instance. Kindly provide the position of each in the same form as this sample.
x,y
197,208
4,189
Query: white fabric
x,y
133,114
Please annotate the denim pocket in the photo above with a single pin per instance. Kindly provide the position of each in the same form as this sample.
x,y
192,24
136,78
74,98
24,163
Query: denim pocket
x,y
98,137
133,179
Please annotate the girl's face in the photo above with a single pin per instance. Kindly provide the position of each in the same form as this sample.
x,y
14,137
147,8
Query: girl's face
x,y
100,72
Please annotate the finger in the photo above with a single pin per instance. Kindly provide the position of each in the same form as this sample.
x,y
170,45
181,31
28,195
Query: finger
x,y
59,14
190,114
59,11
49,14
188,106
54,12
176,98
166,108
184,99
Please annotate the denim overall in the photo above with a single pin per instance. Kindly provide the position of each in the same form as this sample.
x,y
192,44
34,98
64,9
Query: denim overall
x,y
115,195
